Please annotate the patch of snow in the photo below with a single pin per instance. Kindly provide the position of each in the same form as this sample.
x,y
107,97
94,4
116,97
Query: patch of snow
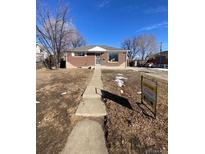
x,y
121,77
160,69
119,82
63,93
139,92
120,74
121,91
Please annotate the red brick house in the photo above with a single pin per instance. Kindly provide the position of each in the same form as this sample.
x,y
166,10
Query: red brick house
x,y
158,59
96,55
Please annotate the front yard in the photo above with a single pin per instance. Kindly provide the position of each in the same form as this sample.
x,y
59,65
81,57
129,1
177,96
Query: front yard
x,y
59,93
128,129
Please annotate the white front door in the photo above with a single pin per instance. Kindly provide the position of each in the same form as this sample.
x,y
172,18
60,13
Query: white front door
x,y
97,58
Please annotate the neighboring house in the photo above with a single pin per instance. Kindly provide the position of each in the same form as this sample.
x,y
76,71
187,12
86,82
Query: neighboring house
x,y
96,55
159,59
41,54
140,63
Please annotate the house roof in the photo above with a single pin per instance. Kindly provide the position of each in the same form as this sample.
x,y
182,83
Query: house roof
x,y
163,53
97,48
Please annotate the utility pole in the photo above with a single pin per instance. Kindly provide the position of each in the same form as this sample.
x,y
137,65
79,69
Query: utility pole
x,y
160,61
160,46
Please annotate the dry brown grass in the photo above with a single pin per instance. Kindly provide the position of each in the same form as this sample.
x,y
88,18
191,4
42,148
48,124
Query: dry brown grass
x,y
54,120
128,130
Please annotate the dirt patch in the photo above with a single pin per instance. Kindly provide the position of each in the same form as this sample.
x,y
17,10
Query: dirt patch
x,y
55,112
128,129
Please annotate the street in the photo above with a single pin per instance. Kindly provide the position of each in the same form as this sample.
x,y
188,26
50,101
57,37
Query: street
x,y
155,72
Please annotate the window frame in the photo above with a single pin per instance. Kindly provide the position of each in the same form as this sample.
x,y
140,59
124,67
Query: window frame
x,y
84,54
90,53
109,57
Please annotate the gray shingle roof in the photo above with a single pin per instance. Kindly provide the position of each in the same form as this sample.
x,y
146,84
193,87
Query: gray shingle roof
x,y
107,48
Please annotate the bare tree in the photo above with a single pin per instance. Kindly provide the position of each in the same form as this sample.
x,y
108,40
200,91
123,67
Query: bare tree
x,y
140,47
54,30
146,45
128,45
77,40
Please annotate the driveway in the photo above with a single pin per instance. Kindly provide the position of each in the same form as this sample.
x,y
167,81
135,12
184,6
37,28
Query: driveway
x,y
155,72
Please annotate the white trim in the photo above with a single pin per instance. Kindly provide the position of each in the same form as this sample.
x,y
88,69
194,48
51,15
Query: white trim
x,y
113,61
97,48
100,51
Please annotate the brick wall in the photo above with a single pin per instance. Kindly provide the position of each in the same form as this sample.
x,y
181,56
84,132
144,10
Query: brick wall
x,y
121,59
86,61
80,61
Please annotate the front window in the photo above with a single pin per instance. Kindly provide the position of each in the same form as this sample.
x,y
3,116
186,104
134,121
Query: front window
x,y
79,53
113,57
90,53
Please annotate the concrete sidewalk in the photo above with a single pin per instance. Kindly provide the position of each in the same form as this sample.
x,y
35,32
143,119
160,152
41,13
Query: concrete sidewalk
x,y
91,105
87,137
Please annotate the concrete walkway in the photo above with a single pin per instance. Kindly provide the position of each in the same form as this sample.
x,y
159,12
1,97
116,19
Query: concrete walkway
x,y
87,137
91,105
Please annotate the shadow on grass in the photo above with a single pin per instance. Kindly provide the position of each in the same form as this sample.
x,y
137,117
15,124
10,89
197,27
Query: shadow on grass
x,y
115,98
124,102
145,110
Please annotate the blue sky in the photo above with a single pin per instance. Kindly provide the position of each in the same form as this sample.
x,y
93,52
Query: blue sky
x,y
109,22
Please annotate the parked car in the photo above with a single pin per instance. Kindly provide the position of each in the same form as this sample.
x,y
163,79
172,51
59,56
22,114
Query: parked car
x,y
150,64
141,63
162,66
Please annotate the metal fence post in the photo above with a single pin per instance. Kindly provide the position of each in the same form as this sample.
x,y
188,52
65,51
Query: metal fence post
x,y
141,89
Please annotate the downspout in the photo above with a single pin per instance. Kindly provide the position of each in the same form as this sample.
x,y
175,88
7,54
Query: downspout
x,y
126,59
66,59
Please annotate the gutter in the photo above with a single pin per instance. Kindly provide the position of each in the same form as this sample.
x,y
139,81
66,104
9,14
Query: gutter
x,y
97,51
